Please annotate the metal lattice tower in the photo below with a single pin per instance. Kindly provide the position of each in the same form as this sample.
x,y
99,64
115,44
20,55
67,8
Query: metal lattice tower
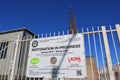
x,y
72,25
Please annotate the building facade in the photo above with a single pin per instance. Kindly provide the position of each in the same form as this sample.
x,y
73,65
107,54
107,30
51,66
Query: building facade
x,y
104,74
116,69
7,51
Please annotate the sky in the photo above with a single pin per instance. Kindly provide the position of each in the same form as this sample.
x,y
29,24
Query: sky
x,y
45,16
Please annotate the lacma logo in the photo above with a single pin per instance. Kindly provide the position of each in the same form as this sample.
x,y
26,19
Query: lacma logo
x,y
73,59
35,43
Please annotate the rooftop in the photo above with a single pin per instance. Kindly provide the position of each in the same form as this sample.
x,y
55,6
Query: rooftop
x,y
17,30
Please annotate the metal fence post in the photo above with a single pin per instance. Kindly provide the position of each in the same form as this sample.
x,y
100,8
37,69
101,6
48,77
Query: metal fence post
x,y
14,59
118,31
107,51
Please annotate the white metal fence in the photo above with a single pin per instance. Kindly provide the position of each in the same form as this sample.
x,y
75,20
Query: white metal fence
x,y
102,48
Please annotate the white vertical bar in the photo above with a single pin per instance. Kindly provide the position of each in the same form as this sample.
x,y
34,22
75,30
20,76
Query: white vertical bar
x,y
33,78
107,50
14,59
116,54
85,56
11,57
20,57
82,30
101,49
96,51
91,63
10,60
72,31
54,33
67,31
58,33
32,38
17,59
118,31
25,55
50,34
63,33
38,35
42,36
46,35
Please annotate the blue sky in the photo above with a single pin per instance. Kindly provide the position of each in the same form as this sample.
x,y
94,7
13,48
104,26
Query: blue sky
x,y
44,16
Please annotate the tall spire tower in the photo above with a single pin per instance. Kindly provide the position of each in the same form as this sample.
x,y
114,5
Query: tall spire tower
x,y
72,25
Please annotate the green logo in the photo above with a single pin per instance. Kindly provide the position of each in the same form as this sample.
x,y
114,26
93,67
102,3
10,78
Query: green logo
x,y
34,61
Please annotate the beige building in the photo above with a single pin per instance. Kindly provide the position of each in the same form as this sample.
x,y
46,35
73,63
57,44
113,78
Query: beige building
x,y
104,73
116,69
91,67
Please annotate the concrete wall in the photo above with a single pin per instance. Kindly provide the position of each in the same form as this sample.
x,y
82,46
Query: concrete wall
x,y
22,53
5,64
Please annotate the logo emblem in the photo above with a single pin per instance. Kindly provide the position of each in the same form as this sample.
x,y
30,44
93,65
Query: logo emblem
x,y
34,61
53,60
74,59
35,43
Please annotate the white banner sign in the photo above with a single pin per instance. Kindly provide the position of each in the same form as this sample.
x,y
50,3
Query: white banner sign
x,y
57,57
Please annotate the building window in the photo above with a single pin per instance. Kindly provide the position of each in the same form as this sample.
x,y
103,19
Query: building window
x,y
3,49
116,76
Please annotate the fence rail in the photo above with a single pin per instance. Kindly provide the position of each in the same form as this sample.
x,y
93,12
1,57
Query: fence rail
x,y
102,48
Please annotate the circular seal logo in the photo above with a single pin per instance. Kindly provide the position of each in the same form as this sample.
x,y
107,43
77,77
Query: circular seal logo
x,y
34,61
53,60
35,43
